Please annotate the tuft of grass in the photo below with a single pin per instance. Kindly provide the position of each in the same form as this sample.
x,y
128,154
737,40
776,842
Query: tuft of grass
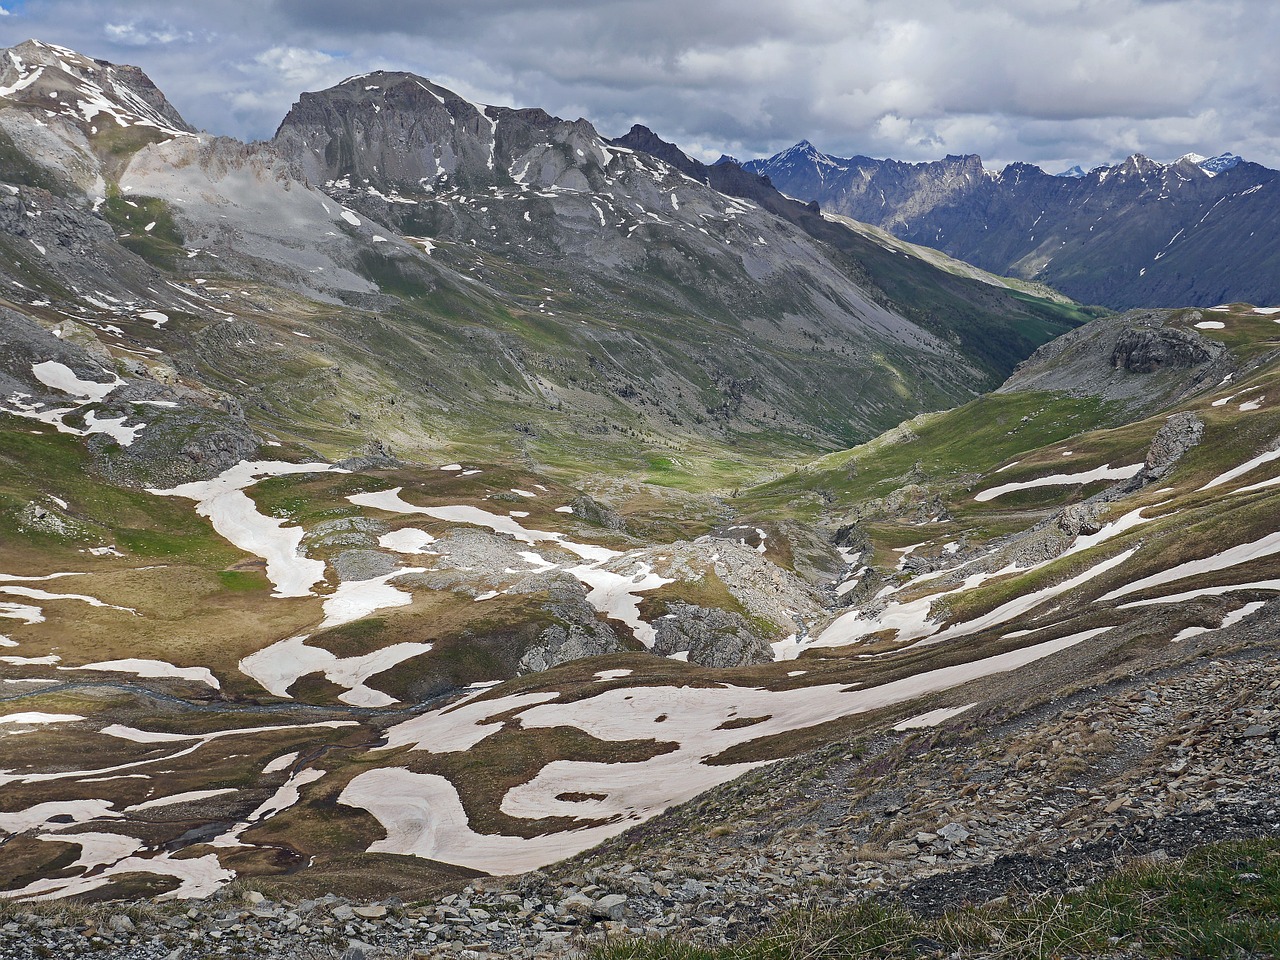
x,y
1220,900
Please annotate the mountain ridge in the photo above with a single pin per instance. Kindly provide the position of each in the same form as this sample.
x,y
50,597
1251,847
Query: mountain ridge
x,y
1139,233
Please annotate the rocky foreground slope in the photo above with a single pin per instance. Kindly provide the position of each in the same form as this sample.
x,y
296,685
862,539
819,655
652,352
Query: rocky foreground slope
x,y
289,599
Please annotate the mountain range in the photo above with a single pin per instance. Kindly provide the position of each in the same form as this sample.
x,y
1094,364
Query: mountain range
x,y
441,528
1195,232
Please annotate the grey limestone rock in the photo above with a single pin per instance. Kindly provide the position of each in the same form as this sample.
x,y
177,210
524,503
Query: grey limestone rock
x,y
351,532
712,637
1180,433
363,564
1146,350
561,643
375,455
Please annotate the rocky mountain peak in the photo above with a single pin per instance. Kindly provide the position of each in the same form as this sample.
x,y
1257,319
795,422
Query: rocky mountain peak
x,y
1220,164
803,152
92,94
399,131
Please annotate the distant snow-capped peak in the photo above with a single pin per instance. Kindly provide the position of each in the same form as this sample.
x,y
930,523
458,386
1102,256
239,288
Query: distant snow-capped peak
x,y
1140,164
1222,162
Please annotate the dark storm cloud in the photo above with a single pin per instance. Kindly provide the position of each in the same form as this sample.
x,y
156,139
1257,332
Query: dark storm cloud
x,y
1054,82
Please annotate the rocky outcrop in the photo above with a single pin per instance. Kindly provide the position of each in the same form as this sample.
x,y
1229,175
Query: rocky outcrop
x,y
711,637
588,509
1147,350
1080,518
1140,360
344,532
374,455
562,643
1180,433
578,631
912,501
178,446
358,564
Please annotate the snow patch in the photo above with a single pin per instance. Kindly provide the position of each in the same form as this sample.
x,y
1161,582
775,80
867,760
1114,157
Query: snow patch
x,y
1104,472
932,718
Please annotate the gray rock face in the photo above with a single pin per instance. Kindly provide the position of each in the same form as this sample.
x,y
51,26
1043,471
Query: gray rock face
x,y
589,509
1180,433
178,446
712,637
1080,518
421,135
353,565
561,644
350,532
375,455
578,631
1147,350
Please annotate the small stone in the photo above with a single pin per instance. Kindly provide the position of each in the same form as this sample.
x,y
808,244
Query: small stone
x,y
578,905
373,911
119,923
609,907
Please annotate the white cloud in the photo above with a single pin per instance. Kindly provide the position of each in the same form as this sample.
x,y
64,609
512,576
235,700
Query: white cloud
x,y
144,35
1040,80
297,65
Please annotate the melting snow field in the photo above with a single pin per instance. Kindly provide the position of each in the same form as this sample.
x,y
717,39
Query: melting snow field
x,y
281,665
235,516
30,614
610,591
932,718
392,502
424,817
1234,556
152,669
1239,471
1104,472
354,599
59,376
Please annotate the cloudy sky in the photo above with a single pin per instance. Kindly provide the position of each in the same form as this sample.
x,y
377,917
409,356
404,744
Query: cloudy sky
x,y
1053,82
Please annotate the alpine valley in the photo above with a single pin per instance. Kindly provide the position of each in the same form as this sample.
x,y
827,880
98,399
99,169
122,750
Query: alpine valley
x,y
443,530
